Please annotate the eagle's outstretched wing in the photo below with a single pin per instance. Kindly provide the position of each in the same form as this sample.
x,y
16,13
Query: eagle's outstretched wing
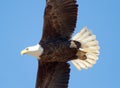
x,y
59,19
52,75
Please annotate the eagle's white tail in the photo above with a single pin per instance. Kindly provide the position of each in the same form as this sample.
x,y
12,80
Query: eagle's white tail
x,y
90,45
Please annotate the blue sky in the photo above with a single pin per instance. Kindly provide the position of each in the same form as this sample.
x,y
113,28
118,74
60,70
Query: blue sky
x,y
21,24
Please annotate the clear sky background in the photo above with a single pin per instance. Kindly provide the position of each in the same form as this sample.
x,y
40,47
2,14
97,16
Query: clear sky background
x,y
21,24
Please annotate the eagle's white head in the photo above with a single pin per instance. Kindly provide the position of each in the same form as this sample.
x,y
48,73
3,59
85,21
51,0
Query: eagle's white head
x,y
35,51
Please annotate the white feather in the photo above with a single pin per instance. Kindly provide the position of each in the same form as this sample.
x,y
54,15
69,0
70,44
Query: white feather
x,y
83,31
92,56
75,63
86,63
91,61
90,45
90,38
82,65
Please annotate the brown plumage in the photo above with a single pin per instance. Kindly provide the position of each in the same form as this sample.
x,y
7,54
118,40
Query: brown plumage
x,y
53,75
59,19
59,50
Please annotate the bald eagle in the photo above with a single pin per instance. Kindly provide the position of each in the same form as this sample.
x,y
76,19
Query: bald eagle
x,y
57,47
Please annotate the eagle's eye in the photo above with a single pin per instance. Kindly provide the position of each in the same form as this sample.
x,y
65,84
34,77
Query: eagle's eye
x,y
27,49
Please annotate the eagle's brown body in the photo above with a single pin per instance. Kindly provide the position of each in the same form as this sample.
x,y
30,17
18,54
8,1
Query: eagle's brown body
x,y
60,50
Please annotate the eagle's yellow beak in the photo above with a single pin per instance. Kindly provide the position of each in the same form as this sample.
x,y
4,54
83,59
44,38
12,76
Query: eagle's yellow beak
x,y
24,52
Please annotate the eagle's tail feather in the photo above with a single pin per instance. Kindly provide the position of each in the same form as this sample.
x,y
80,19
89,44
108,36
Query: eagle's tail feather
x,y
89,49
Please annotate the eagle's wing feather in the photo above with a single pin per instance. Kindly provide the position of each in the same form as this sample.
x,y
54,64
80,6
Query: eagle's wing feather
x,y
59,19
52,75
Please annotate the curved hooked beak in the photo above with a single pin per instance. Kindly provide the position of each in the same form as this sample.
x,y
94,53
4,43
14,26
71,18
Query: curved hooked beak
x,y
24,52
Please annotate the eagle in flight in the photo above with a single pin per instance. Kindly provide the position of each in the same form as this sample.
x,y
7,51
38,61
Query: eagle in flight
x,y
57,47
